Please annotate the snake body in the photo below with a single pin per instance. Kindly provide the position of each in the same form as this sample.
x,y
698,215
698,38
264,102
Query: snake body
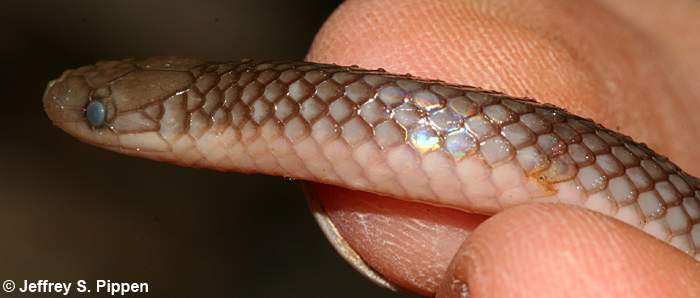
x,y
396,135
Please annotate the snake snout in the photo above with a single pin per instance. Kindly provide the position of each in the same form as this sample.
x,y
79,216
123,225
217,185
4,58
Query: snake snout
x,y
65,98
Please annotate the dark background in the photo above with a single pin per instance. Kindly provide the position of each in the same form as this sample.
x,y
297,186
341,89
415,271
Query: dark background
x,y
69,211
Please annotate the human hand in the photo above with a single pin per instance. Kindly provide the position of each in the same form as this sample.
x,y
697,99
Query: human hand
x,y
579,55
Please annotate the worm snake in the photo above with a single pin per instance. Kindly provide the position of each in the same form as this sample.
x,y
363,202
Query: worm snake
x,y
404,137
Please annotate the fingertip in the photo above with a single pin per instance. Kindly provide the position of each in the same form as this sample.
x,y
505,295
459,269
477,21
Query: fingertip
x,y
552,250
409,244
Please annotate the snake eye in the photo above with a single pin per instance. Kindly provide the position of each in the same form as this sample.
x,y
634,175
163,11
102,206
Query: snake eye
x,y
96,113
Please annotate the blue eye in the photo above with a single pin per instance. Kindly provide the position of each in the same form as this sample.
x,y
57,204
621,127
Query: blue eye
x,y
96,113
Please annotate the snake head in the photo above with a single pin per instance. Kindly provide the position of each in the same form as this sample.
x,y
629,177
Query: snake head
x,y
119,105
67,98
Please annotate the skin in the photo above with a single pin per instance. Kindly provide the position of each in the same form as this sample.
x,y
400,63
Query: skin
x,y
622,65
